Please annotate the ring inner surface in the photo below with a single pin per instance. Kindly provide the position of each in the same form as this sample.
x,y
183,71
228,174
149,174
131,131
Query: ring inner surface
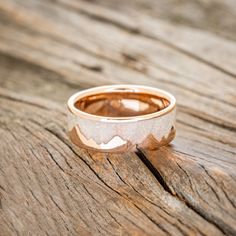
x,y
125,104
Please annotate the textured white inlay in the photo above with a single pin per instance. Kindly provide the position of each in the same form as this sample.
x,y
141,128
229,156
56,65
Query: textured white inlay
x,y
102,132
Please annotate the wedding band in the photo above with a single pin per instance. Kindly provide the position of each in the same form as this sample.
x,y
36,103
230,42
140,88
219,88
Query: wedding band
x,y
121,118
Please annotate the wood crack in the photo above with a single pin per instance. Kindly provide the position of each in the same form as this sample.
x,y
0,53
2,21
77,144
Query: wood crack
x,y
112,166
56,204
153,221
224,228
89,193
217,184
154,171
186,173
109,212
52,157
154,204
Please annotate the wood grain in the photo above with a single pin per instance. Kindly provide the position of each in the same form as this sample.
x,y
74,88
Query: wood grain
x,y
214,15
49,50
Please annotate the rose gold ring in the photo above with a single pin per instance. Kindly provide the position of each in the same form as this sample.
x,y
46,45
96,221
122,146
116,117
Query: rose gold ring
x,y
120,118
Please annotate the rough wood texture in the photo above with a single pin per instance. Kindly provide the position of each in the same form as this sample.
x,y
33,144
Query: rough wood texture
x,y
213,15
50,49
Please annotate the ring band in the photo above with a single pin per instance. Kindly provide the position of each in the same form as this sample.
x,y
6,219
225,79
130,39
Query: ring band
x,y
120,118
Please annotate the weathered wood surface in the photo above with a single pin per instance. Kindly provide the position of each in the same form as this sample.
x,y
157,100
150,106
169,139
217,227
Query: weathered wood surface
x,y
50,49
213,15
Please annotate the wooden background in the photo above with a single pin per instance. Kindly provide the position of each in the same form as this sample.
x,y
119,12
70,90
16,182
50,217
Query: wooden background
x,y
51,48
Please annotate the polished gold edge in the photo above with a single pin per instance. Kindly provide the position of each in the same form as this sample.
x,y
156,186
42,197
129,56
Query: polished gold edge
x,y
121,88
149,143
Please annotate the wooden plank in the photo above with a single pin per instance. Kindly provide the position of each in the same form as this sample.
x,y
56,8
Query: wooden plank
x,y
50,187
198,89
214,15
139,193
194,43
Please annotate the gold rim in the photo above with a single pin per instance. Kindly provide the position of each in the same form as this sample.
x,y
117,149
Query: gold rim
x,y
121,89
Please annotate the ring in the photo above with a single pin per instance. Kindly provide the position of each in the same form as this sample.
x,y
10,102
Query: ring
x,y
121,118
